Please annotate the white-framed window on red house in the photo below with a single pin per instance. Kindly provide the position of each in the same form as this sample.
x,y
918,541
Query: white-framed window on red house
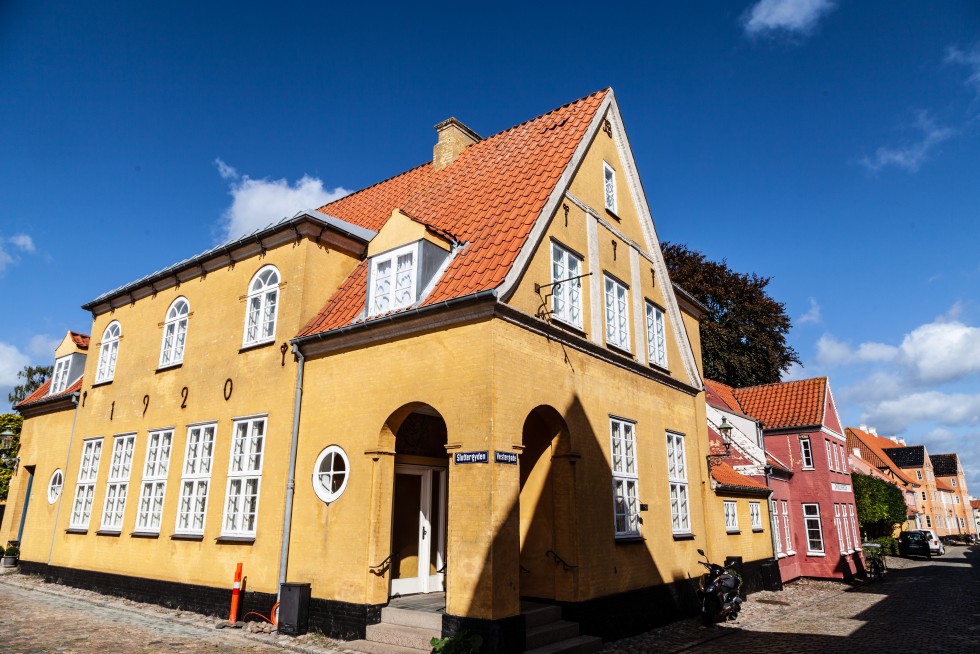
x,y
854,528
814,530
840,530
786,531
774,520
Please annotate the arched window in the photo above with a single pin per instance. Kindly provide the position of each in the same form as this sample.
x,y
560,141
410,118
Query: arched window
x,y
174,333
108,353
263,303
330,473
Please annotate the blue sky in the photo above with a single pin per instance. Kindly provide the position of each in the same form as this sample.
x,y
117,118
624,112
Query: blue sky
x,y
832,145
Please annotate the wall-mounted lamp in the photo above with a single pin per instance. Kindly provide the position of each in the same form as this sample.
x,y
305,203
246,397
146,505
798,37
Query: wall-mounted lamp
x,y
7,445
725,429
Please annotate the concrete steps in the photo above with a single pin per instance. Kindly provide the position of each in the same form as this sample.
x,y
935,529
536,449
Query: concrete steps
x,y
418,638
547,633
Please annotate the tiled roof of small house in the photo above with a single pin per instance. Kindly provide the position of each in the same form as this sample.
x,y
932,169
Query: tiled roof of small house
x,y
724,473
488,198
785,404
40,394
80,340
873,448
943,486
911,456
943,465
720,396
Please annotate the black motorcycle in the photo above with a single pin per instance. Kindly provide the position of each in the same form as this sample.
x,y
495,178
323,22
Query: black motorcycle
x,y
718,592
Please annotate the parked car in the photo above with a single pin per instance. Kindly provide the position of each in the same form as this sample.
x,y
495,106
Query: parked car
x,y
914,543
935,545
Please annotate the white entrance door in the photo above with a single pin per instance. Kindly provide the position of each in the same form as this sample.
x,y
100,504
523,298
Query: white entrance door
x,y
418,530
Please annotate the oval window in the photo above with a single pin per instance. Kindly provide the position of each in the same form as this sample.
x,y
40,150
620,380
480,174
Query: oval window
x,y
55,486
330,473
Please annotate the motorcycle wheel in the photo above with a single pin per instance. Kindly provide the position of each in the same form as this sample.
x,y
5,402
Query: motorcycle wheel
x,y
710,611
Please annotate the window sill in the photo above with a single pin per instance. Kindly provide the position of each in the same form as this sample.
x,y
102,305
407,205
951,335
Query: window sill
x,y
662,368
257,345
757,530
578,330
240,540
615,216
198,537
781,555
145,534
108,532
169,366
733,532
791,553
817,554
104,382
619,349
76,530
808,469
684,536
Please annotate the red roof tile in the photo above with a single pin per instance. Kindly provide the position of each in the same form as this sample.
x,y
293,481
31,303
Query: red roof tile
x,y
489,198
873,448
81,340
720,396
943,486
725,474
785,404
40,394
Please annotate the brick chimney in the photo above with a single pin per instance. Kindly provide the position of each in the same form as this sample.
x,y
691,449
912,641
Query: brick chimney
x,y
454,136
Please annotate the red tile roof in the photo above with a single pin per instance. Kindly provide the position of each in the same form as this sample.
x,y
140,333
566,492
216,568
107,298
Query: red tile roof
x,y
725,474
80,340
975,504
720,396
785,404
873,448
40,394
776,463
943,486
489,198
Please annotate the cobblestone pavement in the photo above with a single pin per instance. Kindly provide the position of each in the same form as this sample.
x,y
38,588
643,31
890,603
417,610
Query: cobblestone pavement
x,y
921,606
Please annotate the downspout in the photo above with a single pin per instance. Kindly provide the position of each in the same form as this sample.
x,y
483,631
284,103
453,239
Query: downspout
x,y
287,517
64,480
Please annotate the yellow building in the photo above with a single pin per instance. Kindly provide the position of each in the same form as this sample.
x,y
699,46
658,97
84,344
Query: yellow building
x,y
468,379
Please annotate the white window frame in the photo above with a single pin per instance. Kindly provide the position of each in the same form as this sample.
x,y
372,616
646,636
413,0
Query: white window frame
x,y
806,453
625,480
56,485
774,523
840,528
195,479
755,516
656,335
566,298
854,528
244,484
609,187
117,487
262,307
174,340
731,517
918,475
617,312
830,457
153,489
399,291
678,490
928,522
324,480
108,352
844,465
88,473
786,531
811,520
59,379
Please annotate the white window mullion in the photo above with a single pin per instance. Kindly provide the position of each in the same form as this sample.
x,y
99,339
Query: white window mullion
x,y
624,478
195,479
617,314
244,478
88,472
262,307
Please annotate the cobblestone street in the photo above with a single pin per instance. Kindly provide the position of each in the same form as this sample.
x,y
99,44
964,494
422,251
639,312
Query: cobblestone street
x,y
922,606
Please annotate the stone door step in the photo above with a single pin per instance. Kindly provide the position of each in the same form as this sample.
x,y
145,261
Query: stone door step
x,y
371,647
396,634
410,618
552,632
536,615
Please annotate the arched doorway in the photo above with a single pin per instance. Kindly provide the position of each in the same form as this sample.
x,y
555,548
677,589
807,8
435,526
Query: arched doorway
x,y
418,515
545,489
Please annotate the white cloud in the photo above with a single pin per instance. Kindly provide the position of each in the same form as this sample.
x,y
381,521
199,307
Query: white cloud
x,y
831,352
812,315
911,154
970,59
785,16
12,361
5,259
942,351
41,348
895,414
23,241
257,203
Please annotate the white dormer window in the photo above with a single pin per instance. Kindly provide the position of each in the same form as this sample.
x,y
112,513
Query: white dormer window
x,y
174,333
609,185
393,280
263,305
59,380
108,352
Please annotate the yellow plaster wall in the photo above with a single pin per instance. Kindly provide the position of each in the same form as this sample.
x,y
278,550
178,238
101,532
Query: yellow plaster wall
x,y
262,382
44,445
750,545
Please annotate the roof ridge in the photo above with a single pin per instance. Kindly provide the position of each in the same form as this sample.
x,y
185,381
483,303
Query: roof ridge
x,y
779,383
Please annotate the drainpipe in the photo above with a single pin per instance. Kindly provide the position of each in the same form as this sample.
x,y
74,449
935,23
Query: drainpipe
x,y
287,517
64,477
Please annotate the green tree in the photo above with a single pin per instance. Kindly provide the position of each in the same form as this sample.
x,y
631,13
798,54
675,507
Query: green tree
x,y
33,377
880,505
743,334
13,422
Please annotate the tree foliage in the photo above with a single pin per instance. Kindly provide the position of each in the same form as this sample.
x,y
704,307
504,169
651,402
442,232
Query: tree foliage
x,y
880,505
33,377
13,422
743,335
